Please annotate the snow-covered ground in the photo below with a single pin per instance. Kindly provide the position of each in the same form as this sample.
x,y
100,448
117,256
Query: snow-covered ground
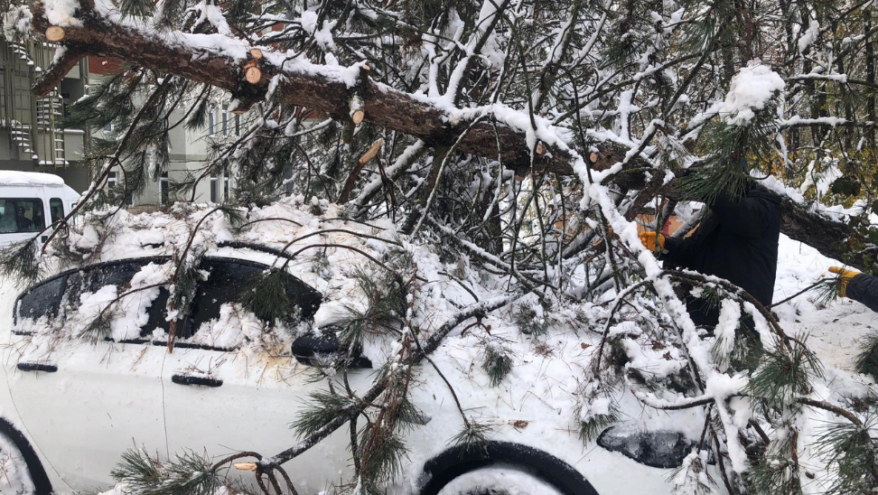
x,y
834,330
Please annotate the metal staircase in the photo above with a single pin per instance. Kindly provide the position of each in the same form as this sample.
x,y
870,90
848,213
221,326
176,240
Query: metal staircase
x,y
32,123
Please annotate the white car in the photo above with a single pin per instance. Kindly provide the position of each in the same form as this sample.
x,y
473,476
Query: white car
x,y
29,202
71,407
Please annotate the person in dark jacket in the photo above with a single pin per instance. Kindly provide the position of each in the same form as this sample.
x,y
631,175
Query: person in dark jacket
x,y
858,286
737,241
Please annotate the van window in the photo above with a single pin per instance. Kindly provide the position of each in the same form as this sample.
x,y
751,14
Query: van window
x,y
21,215
56,209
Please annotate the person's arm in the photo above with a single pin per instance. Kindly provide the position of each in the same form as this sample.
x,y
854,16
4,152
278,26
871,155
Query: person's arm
x,y
675,250
863,289
679,251
747,217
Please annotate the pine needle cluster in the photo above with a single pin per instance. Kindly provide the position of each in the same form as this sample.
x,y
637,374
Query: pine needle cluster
x,y
187,474
784,374
529,322
386,304
20,262
497,362
271,296
867,360
850,451
473,438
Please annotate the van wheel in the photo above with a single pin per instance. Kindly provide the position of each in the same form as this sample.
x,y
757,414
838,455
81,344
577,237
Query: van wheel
x,y
502,468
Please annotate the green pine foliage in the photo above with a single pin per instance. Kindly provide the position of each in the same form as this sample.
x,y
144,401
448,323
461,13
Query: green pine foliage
x,y
473,438
774,474
386,304
867,359
20,262
321,409
186,474
100,328
271,296
529,322
785,374
850,451
497,362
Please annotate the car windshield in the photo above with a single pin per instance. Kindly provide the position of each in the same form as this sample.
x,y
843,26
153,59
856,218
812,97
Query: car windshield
x,y
21,215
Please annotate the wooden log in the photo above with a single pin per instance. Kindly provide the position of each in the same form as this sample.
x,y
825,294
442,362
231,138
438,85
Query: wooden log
x,y
55,33
256,53
246,466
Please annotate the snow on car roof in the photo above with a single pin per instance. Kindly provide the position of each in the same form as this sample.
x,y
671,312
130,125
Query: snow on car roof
x,y
16,178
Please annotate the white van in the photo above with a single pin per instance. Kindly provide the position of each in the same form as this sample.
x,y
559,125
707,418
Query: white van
x,y
29,202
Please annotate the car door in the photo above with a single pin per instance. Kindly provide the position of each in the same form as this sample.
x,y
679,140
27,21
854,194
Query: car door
x,y
222,400
85,403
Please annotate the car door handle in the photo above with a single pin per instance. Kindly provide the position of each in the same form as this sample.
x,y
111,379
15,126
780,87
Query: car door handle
x,y
205,381
48,368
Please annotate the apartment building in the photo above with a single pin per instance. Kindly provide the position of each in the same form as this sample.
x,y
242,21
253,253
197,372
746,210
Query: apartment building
x,y
188,151
31,136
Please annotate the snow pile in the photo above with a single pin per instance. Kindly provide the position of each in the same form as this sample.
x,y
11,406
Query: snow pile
x,y
750,90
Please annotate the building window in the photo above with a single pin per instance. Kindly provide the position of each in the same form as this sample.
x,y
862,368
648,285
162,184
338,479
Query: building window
x,y
108,128
210,122
225,122
113,180
226,189
237,125
213,189
164,194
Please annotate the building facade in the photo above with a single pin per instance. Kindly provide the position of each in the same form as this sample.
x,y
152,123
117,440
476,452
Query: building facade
x,y
32,138
188,151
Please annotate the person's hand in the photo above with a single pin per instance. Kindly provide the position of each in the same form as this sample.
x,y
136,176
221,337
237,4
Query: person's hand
x,y
650,239
845,276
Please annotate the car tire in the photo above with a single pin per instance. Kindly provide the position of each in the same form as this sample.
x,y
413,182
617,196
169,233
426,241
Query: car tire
x,y
457,461
21,472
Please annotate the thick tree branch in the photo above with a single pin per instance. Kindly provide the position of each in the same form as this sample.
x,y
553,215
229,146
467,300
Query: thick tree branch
x,y
194,56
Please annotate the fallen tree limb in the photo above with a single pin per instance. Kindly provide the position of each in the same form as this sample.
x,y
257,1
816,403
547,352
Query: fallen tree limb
x,y
326,89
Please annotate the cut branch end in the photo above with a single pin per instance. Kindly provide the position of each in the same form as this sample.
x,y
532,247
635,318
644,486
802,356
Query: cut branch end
x,y
55,34
253,75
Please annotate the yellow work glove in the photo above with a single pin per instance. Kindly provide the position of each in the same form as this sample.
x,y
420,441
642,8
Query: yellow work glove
x,y
845,276
649,241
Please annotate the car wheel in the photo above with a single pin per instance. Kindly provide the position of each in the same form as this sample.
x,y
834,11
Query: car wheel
x,y
15,476
498,480
501,468
21,472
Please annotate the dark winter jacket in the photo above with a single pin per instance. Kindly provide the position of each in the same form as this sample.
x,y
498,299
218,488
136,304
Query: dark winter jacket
x,y
864,289
737,242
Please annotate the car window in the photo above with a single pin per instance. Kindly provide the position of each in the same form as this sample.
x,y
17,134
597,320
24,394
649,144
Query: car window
x,y
56,209
21,215
41,300
226,282
92,278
